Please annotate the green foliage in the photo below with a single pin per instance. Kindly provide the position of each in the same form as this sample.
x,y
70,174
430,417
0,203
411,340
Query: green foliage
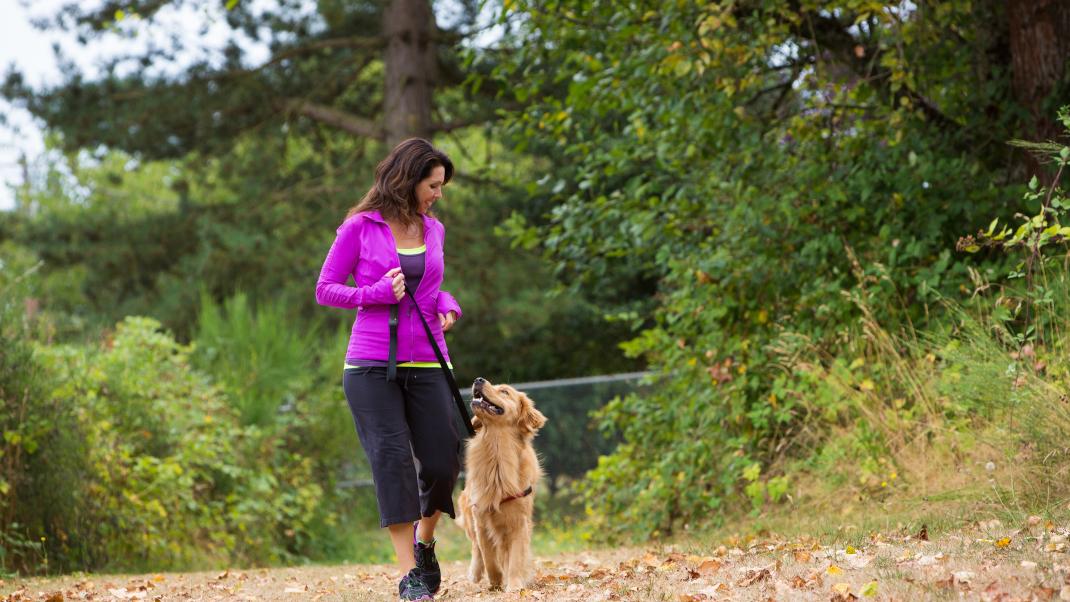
x,y
279,375
273,356
130,458
1040,242
722,172
183,481
258,357
24,422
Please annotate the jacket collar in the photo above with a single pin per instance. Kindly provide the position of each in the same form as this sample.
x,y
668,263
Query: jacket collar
x,y
375,216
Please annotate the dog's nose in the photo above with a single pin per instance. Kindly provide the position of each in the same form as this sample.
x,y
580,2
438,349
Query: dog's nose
x,y
479,381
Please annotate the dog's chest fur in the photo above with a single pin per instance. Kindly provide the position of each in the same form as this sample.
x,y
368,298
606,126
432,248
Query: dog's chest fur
x,y
499,464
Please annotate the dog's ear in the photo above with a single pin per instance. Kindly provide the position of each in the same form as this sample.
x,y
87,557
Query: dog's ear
x,y
533,419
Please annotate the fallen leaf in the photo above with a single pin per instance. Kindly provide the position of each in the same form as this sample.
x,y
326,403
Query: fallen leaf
x,y
753,576
963,576
924,533
947,583
1002,543
869,590
802,556
842,591
709,567
931,560
1043,593
798,582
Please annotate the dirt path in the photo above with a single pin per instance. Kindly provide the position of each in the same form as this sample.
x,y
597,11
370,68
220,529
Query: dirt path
x,y
989,561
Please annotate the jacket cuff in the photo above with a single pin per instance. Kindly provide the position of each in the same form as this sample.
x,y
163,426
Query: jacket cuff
x,y
446,304
380,293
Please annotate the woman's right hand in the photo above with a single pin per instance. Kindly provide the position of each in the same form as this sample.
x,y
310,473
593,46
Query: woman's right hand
x,y
397,282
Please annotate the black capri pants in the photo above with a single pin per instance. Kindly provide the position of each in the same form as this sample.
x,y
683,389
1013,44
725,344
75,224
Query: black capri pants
x,y
408,433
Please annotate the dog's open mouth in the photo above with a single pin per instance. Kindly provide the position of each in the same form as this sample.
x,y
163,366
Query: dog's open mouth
x,y
486,406
479,402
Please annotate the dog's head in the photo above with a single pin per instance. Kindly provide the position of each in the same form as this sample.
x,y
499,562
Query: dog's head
x,y
502,405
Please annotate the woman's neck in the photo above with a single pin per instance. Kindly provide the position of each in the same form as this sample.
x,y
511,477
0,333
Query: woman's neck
x,y
407,235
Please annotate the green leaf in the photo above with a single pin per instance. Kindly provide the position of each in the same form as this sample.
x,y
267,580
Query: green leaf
x,y
231,4
752,472
869,590
1034,183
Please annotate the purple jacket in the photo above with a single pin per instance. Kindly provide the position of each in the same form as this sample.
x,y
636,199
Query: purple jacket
x,y
365,249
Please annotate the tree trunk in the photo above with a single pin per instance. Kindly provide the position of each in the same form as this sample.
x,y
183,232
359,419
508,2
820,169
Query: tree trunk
x,y
1039,44
409,62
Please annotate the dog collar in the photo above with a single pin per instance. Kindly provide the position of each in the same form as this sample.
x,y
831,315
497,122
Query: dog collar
x,y
526,493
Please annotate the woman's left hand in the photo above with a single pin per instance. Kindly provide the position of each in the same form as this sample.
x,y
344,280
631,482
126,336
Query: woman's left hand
x,y
447,320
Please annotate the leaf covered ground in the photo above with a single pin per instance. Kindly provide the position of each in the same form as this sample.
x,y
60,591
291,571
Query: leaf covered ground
x,y
986,560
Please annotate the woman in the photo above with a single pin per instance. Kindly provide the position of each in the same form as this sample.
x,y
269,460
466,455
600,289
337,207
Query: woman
x,y
389,242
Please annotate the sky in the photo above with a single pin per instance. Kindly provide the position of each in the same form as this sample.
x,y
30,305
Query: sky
x,y
30,51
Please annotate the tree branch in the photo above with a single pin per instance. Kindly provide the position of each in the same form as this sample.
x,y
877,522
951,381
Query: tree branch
x,y
347,122
831,33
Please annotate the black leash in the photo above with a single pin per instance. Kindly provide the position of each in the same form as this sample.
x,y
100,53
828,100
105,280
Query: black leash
x,y
392,363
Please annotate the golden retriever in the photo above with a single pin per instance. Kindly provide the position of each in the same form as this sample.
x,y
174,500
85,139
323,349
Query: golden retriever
x,y
502,472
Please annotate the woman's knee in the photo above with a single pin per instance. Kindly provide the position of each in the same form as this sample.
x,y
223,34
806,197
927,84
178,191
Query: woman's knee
x,y
391,458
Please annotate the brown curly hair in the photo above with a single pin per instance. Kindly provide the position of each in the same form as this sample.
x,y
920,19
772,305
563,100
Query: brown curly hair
x,y
394,193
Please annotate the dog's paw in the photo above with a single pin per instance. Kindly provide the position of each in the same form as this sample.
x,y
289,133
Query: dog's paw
x,y
514,586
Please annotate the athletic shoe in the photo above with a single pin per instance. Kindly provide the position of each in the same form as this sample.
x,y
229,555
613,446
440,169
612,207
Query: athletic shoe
x,y
413,588
427,564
